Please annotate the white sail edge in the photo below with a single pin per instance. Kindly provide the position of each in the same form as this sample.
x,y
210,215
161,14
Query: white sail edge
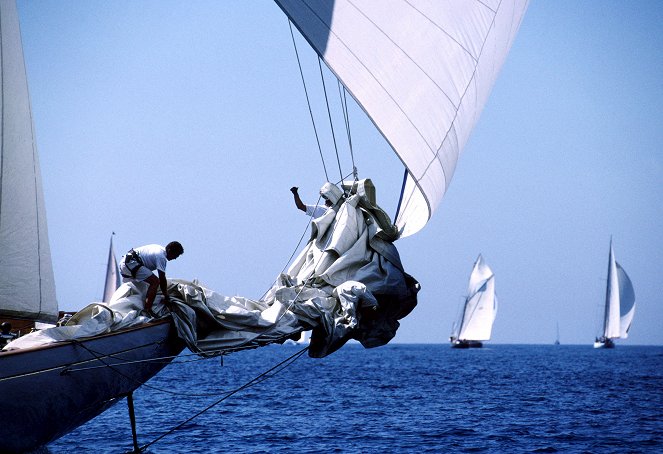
x,y
27,284
450,51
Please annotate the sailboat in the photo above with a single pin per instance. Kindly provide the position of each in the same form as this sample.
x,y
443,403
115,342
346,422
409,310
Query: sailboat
x,y
451,52
479,309
619,305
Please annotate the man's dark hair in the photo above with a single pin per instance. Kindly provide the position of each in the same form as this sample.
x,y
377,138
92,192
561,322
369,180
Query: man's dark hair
x,y
175,247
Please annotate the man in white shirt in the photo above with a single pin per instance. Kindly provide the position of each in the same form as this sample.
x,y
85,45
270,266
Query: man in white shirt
x,y
139,263
329,192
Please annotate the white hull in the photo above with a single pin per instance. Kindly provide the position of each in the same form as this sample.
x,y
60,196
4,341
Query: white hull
x,y
46,392
604,343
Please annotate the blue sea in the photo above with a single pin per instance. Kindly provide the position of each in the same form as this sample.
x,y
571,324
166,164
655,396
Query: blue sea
x,y
397,398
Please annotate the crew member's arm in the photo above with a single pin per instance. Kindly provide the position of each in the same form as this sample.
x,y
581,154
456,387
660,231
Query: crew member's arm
x,y
164,286
298,201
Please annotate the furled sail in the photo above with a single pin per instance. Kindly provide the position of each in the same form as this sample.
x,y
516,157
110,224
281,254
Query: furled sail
x,y
620,301
480,305
421,69
27,287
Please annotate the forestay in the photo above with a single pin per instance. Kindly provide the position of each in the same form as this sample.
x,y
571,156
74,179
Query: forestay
x,y
421,69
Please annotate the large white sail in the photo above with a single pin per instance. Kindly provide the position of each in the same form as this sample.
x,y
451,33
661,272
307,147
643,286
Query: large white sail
x,y
611,320
27,288
619,301
421,69
480,304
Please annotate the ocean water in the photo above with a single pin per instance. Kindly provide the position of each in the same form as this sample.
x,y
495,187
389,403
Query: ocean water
x,y
397,398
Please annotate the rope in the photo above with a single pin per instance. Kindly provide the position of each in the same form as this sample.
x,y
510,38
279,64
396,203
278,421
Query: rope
x,y
346,117
308,101
258,379
67,369
331,123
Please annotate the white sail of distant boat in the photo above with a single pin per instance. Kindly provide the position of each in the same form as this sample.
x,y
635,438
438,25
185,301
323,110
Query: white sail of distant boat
x,y
113,279
479,309
619,305
422,72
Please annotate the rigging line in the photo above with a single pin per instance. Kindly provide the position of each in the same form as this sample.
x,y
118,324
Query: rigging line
x,y
65,367
111,367
331,123
346,115
308,101
286,362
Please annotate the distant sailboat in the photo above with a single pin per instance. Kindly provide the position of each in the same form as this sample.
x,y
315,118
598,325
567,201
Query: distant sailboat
x,y
619,305
113,279
557,338
479,310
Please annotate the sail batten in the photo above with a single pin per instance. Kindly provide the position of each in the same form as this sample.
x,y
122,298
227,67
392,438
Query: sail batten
x,y
421,70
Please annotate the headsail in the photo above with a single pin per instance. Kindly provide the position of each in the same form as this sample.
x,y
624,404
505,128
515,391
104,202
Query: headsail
x,y
27,287
113,280
422,70
480,305
620,301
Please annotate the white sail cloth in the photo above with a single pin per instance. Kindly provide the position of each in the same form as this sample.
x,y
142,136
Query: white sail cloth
x,y
421,69
347,283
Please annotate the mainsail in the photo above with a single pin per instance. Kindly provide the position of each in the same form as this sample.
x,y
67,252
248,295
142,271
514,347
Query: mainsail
x,y
422,70
480,305
27,287
619,301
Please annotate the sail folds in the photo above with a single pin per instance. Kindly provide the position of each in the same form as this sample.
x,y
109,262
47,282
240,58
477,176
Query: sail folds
x,y
421,69
27,288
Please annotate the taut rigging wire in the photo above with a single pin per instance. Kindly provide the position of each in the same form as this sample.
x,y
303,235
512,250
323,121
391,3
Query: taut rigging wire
x,y
331,123
258,379
308,102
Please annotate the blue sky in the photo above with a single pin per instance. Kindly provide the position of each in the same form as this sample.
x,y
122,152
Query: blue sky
x,y
164,120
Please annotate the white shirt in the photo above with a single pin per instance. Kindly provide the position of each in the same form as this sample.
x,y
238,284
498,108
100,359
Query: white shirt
x,y
153,256
316,211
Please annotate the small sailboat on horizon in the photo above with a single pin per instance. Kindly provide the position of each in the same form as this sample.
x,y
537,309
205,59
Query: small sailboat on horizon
x,y
619,305
479,310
